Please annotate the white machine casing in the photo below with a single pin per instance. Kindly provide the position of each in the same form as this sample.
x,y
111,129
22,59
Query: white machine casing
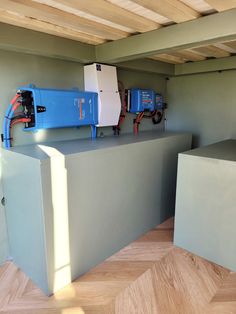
x,y
102,79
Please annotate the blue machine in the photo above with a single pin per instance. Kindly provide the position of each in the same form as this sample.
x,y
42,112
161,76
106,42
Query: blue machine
x,y
142,100
55,108
159,105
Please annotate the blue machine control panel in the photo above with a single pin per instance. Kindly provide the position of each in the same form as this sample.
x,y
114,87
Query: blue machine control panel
x,y
142,100
55,108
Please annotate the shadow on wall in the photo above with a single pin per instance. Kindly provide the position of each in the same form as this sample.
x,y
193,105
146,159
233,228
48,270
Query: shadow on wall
x,y
168,184
196,141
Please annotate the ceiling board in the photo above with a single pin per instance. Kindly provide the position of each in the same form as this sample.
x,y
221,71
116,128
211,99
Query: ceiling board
x,y
66,8
212,51
140,10
168,58
200,6
174,10
189,55
48,28
197,54
226,48
48,14
222,5
106,12
231,44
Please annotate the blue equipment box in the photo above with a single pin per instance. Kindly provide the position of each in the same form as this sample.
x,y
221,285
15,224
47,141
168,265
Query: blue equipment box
x,y
55,108
142,100
159,105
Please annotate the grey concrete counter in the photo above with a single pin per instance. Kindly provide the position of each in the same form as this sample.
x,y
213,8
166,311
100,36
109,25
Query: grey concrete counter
x,y
70,205
206,202
85,145
225,150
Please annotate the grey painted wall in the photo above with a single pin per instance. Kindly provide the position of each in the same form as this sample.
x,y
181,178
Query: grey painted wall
x,y
17,69
204,104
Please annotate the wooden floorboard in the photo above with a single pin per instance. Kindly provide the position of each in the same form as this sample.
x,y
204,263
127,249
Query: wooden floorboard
x,y
149,276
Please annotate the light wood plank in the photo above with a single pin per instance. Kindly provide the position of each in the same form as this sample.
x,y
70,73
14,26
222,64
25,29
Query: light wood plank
x,y
199,6
167,224
174,282
189,55
168,58
221,308
117,271
226,48
222,5
52,29
140,10
212,51
231,44
139,297
142,251
174,10
227,292
48,14
107,11
157,235
185,283
91,293
8,273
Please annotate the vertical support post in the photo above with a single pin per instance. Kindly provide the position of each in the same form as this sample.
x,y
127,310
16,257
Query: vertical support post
x,y
93,131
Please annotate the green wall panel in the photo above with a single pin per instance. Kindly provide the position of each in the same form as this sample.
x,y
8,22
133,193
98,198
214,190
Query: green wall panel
x,y
203,104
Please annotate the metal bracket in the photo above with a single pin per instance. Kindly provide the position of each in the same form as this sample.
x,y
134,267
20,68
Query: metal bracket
x,y
3,201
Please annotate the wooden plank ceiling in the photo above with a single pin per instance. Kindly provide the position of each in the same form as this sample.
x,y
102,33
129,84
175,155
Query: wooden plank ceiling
x,y
99,21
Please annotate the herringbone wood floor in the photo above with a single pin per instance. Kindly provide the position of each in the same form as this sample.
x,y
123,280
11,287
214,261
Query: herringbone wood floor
x,y
148,276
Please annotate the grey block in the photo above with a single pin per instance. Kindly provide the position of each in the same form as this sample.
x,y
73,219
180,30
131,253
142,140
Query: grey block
x,y
70,205
206,203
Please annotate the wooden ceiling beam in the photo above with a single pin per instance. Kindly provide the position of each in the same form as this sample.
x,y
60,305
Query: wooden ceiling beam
x,y
107,11
204,31
48,28
174,10
48,14
222,5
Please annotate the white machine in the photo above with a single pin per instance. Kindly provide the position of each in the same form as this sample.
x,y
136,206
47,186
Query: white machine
x,y
102,79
